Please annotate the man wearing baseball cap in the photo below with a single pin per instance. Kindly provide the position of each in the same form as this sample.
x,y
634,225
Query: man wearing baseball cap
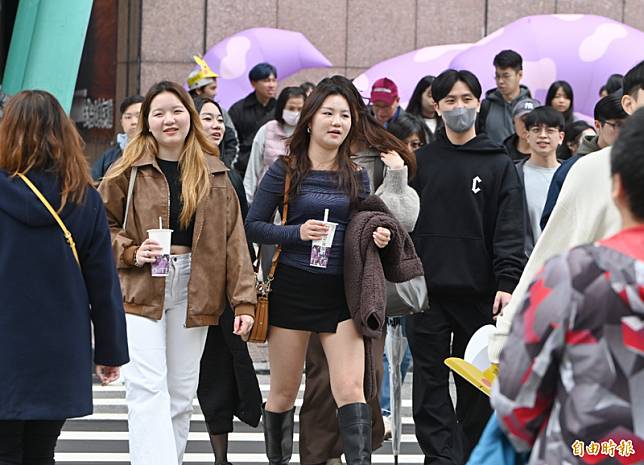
x,y
517,143
385,102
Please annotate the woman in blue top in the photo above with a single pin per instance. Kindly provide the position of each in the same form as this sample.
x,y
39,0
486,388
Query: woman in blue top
x,y
308,298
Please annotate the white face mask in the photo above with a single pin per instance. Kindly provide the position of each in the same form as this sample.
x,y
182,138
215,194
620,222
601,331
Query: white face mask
x,y
291,117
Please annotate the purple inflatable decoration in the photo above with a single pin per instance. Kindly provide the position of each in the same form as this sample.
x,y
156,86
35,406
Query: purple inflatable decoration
x,y
406,70
581,49
232,58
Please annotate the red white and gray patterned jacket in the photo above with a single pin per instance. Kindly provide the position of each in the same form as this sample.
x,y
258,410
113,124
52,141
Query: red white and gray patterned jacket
x,y
571,381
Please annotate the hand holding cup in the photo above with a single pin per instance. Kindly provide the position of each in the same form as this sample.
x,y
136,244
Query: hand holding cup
x,y
313,230
148,251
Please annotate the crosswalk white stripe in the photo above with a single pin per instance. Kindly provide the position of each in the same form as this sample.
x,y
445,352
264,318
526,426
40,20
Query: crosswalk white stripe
x,y
195,417
193,436
121,388
208,458
112,407
121,401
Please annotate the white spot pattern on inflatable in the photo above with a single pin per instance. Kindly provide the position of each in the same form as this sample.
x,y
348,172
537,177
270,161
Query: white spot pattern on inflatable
x,y
593,47
233,65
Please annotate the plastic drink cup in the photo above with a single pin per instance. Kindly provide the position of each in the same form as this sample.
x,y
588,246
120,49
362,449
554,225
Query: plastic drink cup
x,y
161,266
321,248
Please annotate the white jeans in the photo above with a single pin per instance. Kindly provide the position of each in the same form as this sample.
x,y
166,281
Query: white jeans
x,y
162,376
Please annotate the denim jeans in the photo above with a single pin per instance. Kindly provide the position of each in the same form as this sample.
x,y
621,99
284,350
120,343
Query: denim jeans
x,y
162,376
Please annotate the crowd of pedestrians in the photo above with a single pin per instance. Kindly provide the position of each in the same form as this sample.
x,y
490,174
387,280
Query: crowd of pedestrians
x,y
516,214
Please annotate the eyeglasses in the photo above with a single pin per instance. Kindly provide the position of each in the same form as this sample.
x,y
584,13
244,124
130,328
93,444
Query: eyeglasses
x,y
550,132
617,125
503,77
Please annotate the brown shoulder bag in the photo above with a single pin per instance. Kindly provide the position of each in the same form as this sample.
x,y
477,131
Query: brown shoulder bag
x,y
259,332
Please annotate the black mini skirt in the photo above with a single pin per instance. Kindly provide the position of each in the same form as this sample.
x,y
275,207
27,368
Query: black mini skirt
x,y
307,301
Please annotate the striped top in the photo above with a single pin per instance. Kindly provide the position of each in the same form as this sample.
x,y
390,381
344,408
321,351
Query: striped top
x,y
318,191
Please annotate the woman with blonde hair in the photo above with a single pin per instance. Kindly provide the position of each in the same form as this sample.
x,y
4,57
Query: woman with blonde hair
x,y
58,281
165,176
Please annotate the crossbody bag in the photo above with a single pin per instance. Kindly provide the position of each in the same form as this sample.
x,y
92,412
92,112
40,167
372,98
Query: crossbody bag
x,y
259,332
68,235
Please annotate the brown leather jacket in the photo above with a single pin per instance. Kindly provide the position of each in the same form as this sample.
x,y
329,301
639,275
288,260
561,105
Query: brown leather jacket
x,y
221,266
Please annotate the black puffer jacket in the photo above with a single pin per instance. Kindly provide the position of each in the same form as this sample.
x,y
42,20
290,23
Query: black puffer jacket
x,y
248,115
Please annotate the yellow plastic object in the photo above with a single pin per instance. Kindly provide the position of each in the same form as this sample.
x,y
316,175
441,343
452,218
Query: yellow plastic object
x,y
480,379
204,72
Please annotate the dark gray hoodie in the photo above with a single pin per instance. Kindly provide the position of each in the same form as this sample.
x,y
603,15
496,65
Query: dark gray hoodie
x,y
495,118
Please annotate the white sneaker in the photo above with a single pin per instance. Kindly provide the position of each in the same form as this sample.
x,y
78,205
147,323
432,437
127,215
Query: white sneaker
x,y
387,422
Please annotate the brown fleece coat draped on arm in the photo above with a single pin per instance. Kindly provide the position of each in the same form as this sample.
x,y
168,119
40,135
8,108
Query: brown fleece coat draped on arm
x,y
367,268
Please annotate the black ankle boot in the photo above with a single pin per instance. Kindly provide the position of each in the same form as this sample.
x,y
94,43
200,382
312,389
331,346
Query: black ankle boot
x,y
278,436
355,428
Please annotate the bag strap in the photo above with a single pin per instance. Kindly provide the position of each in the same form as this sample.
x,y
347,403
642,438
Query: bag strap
x,y
278,249
130,189
68,235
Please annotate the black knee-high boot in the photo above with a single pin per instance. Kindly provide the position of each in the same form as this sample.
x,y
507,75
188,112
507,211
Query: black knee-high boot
x,y
354,421
278,435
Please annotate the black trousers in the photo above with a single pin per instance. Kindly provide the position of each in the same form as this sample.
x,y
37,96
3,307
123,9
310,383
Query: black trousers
x,y
445,435
227,381
28,442
217,391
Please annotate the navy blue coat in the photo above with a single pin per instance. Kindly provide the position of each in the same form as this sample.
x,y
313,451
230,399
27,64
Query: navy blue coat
x,y
45,313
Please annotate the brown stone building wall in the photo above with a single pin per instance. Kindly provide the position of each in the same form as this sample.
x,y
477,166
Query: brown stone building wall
x,y
157,38
353,34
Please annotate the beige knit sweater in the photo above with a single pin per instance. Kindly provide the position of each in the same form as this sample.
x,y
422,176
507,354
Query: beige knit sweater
x,y
584,213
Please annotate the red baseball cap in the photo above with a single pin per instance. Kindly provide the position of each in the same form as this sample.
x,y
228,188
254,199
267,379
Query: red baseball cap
x,y
384,90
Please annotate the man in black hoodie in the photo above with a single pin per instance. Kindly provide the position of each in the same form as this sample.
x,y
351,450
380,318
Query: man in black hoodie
x,y
469,235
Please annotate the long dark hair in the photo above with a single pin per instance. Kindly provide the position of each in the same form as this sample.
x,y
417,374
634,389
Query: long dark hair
x,y
614,83
567,89
298,162
201,100
37,134
408,125
415,105
371,133
572,134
